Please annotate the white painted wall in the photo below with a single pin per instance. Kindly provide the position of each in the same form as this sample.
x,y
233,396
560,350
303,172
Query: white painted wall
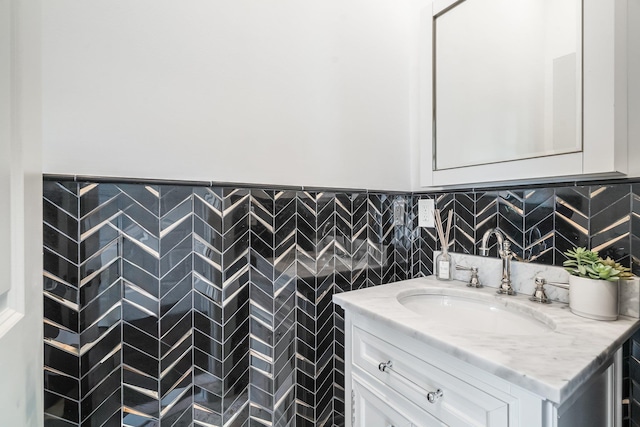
x,y
633,83
21,376
313,93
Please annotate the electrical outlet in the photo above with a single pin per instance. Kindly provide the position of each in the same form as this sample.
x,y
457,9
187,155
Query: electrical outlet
x,y
398,212
425,213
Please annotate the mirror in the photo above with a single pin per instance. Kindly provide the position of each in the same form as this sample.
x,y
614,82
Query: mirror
x,y
507,81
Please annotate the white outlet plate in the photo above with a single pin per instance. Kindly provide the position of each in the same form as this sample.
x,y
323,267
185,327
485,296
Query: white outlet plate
x,y
425,213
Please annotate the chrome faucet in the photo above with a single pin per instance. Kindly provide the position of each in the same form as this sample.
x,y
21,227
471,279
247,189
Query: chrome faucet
x,y
504,251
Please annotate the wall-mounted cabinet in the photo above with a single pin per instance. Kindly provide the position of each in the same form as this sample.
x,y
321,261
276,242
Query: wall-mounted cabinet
x,y
538,90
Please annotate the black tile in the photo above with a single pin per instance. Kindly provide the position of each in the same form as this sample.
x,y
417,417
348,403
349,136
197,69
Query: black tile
x,y
60,244
60,267
63,195
243,267
572,232
96,397
208,208
140,278
140,361
61,407
143,341
180,414
61,315
133,381
107,344
107,301
572,203
175,372
60,360
105,286
604,196
143,195
612,215
139,257
138,223
173,295
140,402
100,371
172,196
63,385
96,198
114,419
177,258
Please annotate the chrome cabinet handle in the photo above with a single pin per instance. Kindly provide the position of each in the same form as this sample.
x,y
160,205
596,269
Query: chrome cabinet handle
x,y
383,366
433,396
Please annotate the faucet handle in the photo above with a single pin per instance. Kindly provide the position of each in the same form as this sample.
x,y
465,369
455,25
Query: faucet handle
x,y
474,281
543,281
539,294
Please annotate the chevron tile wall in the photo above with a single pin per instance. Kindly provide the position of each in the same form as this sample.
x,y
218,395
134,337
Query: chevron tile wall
x,y
541,223
272,308
179,306
176,305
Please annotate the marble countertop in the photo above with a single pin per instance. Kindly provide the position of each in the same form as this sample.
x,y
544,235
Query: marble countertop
x,y
552,364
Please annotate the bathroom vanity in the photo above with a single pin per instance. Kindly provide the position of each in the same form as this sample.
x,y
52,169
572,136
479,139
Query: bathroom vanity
x,y
427,353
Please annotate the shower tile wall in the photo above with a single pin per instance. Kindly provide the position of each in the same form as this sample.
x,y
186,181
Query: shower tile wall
x,y
178,305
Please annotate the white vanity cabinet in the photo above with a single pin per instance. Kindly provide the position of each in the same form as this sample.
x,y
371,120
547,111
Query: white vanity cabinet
x,y
374,409
395,380
607,120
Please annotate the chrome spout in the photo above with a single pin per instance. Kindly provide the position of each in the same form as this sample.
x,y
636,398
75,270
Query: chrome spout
x,y
484,249
505,254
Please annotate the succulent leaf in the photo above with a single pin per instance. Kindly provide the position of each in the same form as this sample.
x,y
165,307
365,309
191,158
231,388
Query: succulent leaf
x,y
586,263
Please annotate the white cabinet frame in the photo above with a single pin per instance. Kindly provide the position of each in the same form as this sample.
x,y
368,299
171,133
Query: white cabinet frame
x,y
608,149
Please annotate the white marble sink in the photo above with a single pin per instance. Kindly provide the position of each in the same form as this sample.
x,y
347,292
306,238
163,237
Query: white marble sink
x,y
552,363
475,312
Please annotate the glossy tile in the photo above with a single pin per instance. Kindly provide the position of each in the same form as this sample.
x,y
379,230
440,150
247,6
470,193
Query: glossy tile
x,y
197,295
62,195
94,398
113,404
61,268
100,348
92,378
144,342
59,243
61,407
602,197
94,197
60,384
101,284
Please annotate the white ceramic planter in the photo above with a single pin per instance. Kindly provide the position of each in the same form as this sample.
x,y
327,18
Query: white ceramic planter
x,y
593,299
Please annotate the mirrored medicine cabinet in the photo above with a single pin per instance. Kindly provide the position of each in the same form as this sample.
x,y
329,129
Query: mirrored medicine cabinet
x,y
508,80
516,90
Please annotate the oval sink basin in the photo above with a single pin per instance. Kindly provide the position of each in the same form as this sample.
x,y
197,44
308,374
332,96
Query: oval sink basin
x,y
477,314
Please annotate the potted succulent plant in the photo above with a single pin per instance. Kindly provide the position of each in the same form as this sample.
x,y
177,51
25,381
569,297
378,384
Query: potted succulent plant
x,y
593,284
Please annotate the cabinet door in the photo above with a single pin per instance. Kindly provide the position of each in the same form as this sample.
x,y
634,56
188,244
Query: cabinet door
x,y
609,92
461,404
372,408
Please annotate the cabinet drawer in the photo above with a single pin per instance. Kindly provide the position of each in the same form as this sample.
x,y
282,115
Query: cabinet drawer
x,y
372,411
460,405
